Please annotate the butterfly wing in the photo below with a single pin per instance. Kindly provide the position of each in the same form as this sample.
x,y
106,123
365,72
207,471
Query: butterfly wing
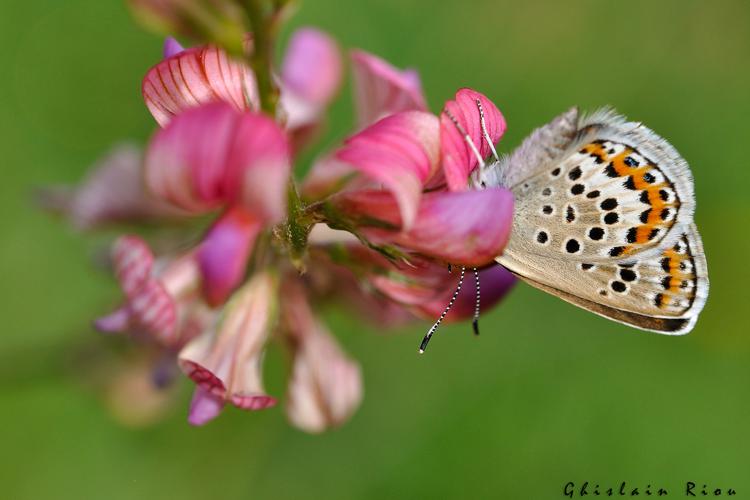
x,y
600,208
662,293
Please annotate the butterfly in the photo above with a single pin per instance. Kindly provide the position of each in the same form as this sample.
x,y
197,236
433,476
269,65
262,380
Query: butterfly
x,y
603,219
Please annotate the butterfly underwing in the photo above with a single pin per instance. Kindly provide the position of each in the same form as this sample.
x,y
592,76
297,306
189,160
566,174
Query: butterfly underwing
x,y
603,219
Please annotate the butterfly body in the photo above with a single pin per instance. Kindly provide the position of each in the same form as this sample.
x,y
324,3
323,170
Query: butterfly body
x,y
603,219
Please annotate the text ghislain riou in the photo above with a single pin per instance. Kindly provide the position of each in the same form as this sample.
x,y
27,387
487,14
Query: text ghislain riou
x,y
690,489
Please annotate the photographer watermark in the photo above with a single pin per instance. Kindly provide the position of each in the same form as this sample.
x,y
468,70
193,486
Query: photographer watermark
x,y
624,489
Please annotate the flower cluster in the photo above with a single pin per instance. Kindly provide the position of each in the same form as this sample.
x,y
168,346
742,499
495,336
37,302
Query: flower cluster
x,y
375,222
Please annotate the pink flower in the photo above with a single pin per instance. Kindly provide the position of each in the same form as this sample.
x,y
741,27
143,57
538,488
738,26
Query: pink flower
x,y
215,157
158,301
225,362
457,156
325,387
402,155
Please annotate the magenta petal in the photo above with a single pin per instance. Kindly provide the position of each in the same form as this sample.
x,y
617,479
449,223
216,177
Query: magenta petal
x,y
457,157
399,151
172,47
198,76
132,260
465,228
223,254
185,163
258,167
204,407
312,66
214,155
381,90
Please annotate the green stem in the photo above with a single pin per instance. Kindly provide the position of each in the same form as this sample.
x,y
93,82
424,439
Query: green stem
x,y
297,227
262,22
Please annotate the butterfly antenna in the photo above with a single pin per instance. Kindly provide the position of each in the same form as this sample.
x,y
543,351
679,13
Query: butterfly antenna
x,y
434,327
486,134
467,137
475,321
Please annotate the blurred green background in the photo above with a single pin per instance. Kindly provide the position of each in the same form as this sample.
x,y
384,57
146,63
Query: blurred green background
x,y
548,394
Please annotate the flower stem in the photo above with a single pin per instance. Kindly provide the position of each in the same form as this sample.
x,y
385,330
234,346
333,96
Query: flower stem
x,y
264,19
297,228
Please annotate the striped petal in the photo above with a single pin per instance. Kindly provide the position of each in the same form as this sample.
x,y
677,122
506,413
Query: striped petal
x,y
400,152
198,76
132,261
154,311
226,362
457,157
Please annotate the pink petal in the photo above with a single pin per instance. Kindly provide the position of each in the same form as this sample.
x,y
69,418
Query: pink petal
x,y
214,155
112,192
418,282
204,407
224,252
132,260
495,282
227,362
198,76
399,151
327,176
259,167
457,157
172,47
312,66
464,228
381,90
